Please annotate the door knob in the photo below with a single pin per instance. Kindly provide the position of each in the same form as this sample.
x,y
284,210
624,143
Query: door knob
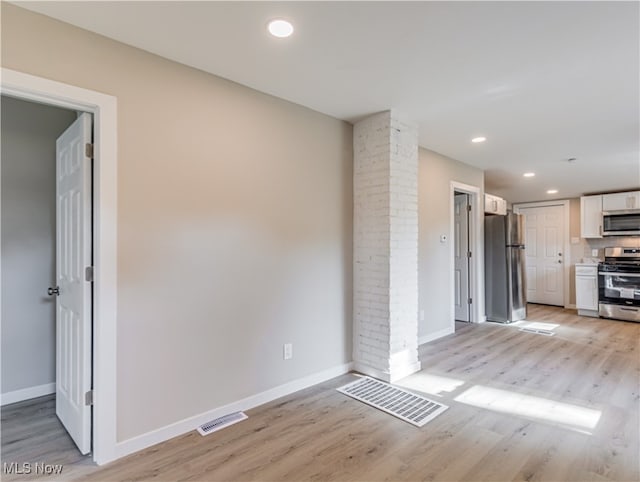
x,y
53,291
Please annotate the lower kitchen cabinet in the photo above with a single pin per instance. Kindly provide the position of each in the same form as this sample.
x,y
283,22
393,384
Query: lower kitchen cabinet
x,y
587,289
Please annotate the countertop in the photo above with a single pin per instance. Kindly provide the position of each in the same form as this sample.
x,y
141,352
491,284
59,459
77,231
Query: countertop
x,y
589,262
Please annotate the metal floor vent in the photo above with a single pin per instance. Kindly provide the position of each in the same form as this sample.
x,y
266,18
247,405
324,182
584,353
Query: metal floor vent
x,y
405,405
221,422
538,331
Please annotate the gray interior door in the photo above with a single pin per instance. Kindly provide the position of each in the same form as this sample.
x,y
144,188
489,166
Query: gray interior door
x,y
461,257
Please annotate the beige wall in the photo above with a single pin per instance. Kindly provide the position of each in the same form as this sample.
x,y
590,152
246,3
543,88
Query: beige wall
x,y
578,250
29,133
234,218
435,173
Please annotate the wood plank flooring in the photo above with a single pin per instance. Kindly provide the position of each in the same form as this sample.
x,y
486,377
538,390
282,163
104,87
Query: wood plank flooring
x,y
575,416
31,433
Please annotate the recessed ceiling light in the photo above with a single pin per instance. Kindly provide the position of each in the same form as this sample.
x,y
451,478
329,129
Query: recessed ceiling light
x,y
529,174
552,191
475,140
280,28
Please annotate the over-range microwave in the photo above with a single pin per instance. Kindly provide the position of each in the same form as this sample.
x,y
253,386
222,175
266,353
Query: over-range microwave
x,y
621,223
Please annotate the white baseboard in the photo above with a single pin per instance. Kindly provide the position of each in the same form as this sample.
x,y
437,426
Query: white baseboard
x,y
365,369
385,376
589,313
148,439
28,393
434,336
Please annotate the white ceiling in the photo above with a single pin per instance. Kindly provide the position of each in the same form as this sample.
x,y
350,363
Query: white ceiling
x,y
543,81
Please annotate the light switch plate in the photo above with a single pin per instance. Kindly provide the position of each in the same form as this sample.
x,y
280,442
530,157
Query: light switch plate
x,y
287,351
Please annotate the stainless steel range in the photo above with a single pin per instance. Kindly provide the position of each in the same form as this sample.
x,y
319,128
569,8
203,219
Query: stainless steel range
x,y
619,284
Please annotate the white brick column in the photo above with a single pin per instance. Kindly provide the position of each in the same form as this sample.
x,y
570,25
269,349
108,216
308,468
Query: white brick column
x,y
385,331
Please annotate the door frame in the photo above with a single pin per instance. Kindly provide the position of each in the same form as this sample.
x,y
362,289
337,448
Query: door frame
x,y
476,246
103,107
566,271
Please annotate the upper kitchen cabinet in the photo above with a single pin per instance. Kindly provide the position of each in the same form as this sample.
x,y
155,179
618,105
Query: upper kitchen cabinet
x,y
494,204
620,201
591,216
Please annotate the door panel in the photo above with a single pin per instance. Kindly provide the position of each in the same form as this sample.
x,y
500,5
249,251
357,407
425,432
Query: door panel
x,y
550,241
550,280
73,255
461,258
544,254
531,238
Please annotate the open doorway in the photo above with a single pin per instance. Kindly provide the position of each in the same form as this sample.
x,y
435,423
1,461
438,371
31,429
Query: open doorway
x,y
103,108
46,254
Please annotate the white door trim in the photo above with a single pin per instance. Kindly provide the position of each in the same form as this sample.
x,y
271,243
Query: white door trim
x,y
476,245
566,272
104,110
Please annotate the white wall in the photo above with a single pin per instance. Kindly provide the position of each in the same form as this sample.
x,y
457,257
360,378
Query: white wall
x,y
435,173
29,133
234,226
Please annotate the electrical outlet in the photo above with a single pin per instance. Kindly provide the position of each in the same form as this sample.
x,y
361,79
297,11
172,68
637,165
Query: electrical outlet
x,y
287,351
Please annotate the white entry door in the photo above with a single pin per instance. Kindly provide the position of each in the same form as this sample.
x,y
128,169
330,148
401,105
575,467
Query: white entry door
x,y
461,257
73,256
544,254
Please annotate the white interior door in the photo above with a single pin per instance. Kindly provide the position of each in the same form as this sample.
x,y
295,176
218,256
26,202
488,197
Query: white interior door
x,y
461,256
544,246
73,256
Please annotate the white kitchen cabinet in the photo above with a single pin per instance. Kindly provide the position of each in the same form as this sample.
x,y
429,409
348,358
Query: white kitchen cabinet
x,y
494,204
621,200
591,216
587,289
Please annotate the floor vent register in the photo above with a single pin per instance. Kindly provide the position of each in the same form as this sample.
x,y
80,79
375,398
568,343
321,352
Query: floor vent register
x,y
407,406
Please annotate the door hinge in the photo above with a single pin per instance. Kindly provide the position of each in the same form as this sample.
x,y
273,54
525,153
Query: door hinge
x,y
88,274
470,300
468,254
88,150
469,207
88,398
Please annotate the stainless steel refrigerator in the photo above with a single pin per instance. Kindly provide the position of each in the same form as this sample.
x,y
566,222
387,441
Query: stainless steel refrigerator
x,y
505,290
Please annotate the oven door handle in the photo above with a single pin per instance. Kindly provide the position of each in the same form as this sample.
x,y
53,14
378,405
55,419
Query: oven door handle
x,y
619,273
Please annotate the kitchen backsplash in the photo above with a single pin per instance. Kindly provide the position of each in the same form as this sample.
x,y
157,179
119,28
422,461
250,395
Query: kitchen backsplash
x,y
583,249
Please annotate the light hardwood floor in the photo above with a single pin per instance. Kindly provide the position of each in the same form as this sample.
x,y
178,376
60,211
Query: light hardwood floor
x,y
522,406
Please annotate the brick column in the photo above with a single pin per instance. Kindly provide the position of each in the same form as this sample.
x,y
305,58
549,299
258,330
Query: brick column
x,y
385,331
